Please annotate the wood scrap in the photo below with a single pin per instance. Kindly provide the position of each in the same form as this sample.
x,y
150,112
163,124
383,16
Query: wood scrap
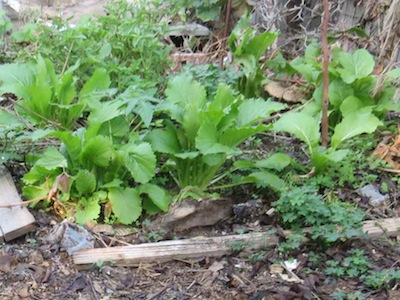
x,y
204,246
15,221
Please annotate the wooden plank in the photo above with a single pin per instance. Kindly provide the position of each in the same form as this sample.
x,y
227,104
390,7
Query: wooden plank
x,y
204,246
176,249
17,220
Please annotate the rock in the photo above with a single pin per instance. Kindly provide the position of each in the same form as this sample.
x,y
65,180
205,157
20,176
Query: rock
x,y
191,213
374,197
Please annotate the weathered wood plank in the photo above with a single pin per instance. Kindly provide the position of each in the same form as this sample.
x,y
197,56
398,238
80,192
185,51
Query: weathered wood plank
x,y
17,220
176,249
204,246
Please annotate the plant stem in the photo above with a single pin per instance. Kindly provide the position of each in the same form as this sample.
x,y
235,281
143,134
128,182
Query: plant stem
x,y
325,76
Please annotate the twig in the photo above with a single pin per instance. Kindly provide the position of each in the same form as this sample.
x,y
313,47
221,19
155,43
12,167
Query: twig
x,y
226,29
23,202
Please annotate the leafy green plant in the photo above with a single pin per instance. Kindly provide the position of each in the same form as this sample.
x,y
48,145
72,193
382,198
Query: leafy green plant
x,y
210,75
354,265
379,279
330,221
353,87
306,128
45,97
247,48
203,134
265,172
347,296
11,131
105,164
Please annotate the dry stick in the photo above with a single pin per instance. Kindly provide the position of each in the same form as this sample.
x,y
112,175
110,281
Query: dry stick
x,y
325,75
226,29
24,202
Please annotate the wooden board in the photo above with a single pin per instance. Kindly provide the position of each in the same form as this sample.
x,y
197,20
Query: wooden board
x,y
17,220
204,246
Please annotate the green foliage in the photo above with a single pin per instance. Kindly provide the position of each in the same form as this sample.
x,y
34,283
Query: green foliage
x,y
102,161
204,134
347,296
127,42
45,97
355,170
266,172
354,265
208,10
379,279
331,221
306,128
210,76
247,48
352,94
12,129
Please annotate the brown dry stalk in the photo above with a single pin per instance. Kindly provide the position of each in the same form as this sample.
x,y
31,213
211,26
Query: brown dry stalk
x,y
325,75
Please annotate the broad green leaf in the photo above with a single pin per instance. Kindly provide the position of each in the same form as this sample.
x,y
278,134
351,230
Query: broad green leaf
x,y
37,98
126,204
214,159
191,121
14,77
117,127
89,212
99,81
65,89
321,157
253,110
309,72
221,104
233,137
85,182
362,121
145,110
207,140
157,195
105,112
37,174
277,161
72,143
338,91
312,53
338,155
183,90
265,179
350,106
41,133
52,159
35,191
244,164
164,140
360,64
140,161
98,151
9,120
259,44
301,125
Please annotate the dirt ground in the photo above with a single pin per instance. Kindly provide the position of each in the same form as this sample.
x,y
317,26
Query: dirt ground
x,y
33,268
60,8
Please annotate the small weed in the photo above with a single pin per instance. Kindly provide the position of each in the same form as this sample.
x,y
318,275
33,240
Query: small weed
x,y
347,296
331,220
